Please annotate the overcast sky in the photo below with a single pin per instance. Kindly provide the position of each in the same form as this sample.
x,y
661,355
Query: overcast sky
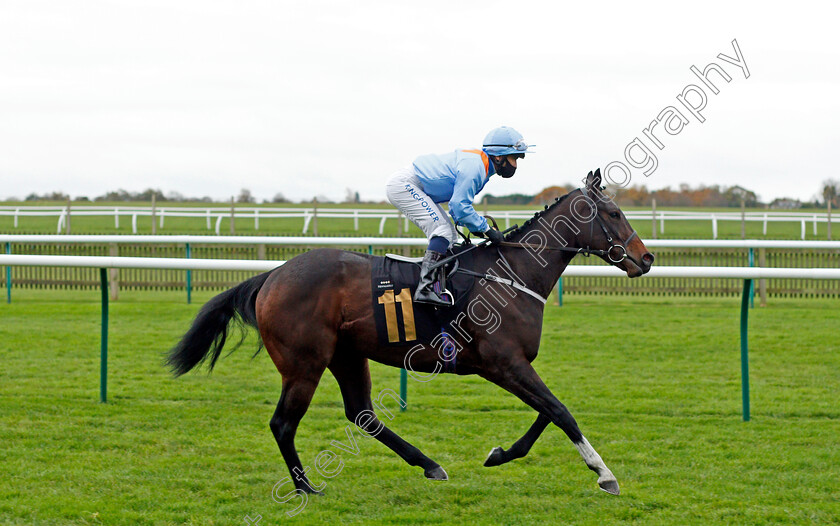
x,y
310,98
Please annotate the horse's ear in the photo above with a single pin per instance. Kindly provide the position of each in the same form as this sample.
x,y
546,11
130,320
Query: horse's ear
x,y
593,180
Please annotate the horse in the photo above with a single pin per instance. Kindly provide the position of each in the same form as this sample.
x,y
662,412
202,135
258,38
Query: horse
x,y
315,313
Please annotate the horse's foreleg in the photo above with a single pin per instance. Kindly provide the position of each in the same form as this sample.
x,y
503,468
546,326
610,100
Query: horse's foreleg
x,y
521,447
523,381
353,376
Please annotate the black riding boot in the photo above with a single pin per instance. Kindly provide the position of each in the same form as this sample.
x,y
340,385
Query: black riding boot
x,y
425,292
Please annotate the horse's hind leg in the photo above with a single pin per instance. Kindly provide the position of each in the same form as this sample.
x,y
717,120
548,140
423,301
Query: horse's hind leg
x,y
294,401
521,447
353,376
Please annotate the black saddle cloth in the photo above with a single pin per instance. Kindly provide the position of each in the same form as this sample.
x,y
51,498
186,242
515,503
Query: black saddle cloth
x,y
399,320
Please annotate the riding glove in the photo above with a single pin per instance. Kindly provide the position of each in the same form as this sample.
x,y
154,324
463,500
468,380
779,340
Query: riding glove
x,y
494,236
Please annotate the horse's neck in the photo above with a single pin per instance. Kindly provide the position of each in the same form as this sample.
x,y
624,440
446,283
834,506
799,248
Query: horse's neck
x,y
540,271
530,270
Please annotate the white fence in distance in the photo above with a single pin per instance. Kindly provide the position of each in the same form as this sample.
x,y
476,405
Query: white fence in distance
x,y
213,216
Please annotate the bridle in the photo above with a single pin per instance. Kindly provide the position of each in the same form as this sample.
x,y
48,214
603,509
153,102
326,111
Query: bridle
x,y
606,253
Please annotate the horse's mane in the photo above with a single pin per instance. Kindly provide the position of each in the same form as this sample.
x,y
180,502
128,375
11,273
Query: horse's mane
x,y
537,215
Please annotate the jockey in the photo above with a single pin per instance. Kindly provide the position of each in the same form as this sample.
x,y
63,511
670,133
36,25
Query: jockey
x,y
455,177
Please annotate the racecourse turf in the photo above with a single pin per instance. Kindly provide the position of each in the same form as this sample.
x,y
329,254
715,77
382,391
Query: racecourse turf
x,y
653,382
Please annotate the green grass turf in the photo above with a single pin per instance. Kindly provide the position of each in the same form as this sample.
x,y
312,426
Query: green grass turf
x,y
653,382
342,227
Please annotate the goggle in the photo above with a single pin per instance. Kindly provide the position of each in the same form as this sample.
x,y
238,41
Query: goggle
x,y
519,145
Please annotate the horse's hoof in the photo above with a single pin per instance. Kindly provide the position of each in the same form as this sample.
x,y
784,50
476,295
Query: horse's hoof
x,y
610,486
495,458
436,474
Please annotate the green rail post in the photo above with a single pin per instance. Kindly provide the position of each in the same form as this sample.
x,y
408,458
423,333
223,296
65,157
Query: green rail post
x,y
752,286
404,389
189,278
8,276
745,365
103,353
560,291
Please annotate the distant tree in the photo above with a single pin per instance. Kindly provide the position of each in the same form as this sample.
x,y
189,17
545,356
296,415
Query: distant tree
x,y
350,196
123,195
736,193
686,196
245,196
279,198
831,192
146,195
52,196
548,195
665,196
119,195
82,198
632,196
510,199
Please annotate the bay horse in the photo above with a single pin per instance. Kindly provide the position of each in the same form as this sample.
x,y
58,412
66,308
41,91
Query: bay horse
x,y
315,313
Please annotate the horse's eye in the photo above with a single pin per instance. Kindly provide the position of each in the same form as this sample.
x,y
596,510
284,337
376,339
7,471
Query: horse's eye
x,y
615,215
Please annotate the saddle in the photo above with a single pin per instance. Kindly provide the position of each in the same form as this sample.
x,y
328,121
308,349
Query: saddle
x,y
400,321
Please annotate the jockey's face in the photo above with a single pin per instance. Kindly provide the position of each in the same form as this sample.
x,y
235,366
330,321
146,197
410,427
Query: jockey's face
x,y
511,159
506,164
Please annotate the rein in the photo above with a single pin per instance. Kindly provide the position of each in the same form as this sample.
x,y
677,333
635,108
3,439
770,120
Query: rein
x,y
585,251
472,246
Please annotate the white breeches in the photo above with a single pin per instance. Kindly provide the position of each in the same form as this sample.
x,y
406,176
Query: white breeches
x,y
405,192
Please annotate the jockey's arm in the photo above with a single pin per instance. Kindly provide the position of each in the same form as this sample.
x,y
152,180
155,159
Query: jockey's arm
x,y
461,205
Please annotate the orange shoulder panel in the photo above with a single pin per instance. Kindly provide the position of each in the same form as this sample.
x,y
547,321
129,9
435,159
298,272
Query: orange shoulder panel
x,y
484,159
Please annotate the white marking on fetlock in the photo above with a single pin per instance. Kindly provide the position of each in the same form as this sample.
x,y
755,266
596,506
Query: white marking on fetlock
x,y
593,460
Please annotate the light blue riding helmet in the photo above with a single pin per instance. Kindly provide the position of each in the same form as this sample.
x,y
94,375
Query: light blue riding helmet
x,y
504,140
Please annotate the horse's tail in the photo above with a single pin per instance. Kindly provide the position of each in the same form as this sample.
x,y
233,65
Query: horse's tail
x,y
208,333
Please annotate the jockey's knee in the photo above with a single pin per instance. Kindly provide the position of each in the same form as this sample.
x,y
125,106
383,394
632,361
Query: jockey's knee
x,y
446,233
